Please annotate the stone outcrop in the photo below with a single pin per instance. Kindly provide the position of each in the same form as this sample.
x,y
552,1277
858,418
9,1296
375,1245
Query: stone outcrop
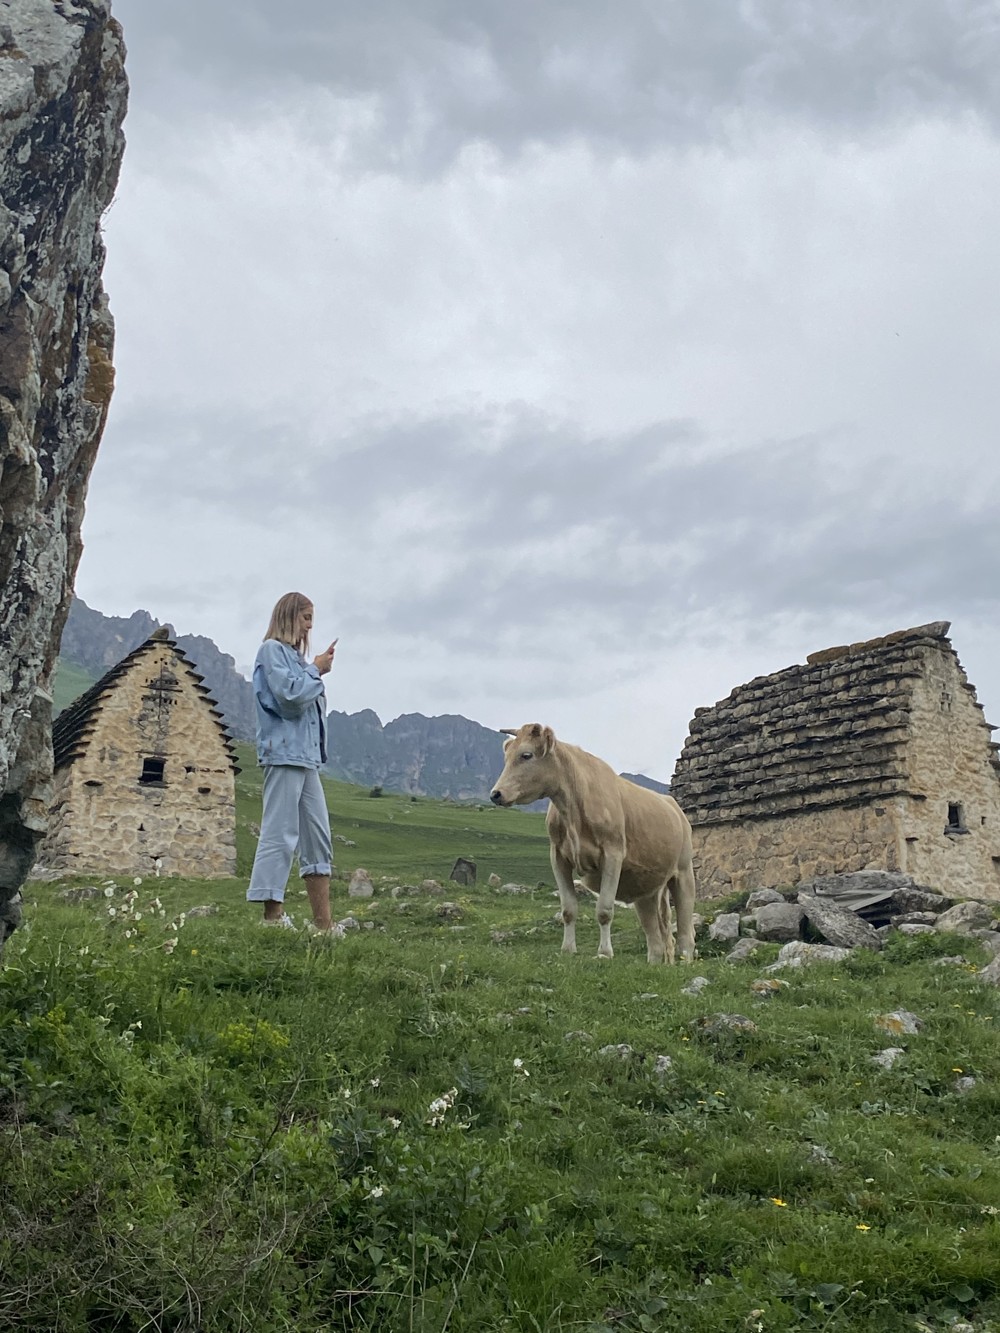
x,y
873,756
62,102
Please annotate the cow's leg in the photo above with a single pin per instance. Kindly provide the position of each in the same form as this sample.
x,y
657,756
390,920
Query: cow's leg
x,y
610,873
563,872
666,924
682,890
649,910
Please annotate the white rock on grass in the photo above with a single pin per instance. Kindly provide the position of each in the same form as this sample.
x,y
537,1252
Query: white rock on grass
x,y
901,1022
888,1057
725,927
799,954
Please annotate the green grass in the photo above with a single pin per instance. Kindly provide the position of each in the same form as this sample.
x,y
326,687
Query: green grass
x,y
68,682
254,1131
415,840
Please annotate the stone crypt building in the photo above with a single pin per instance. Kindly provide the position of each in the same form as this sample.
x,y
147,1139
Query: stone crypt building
x,y
873,755
144,774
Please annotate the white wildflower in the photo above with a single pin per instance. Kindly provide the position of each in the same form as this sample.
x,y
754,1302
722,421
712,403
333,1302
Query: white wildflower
x,y
137,880
170,945
129,934
112,911
375,1082
394,1122
109,891
376,1192
440,1106
137,916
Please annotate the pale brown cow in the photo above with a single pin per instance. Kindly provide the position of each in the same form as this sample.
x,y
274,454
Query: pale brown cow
x,y
624,842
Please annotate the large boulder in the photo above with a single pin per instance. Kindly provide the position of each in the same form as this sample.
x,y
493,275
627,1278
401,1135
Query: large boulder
x,y
779,921
837,925
966,917
62,101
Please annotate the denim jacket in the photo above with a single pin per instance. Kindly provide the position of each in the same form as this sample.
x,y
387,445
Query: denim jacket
x,y
291,707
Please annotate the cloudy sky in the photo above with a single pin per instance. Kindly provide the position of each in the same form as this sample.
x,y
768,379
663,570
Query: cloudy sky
x,y
581,361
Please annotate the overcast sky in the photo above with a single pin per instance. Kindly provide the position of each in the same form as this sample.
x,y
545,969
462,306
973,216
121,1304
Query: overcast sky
x,y
581,361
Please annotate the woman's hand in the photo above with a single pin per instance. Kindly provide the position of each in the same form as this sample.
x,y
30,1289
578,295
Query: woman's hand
x,y
324,661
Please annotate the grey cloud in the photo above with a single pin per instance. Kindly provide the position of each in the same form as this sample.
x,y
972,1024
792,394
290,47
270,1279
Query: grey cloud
x,y
445,74
630,533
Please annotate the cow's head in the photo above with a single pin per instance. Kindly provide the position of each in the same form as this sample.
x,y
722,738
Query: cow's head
x,y
529,767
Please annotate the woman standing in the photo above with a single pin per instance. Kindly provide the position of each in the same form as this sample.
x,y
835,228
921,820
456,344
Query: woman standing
x,y
291,746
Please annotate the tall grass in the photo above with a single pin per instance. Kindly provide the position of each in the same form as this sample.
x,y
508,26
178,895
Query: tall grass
x,y
417,1127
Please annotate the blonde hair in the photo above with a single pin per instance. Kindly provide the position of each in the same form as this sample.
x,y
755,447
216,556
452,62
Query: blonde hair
x,y
285,621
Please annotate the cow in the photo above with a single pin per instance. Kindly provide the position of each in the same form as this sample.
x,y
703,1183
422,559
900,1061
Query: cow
x,y
624,842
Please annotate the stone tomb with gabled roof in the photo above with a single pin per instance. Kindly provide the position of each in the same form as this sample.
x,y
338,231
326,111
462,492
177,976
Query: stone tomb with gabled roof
x,y
874,755
144,774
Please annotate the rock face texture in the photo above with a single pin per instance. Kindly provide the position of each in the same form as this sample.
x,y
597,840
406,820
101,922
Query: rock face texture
x,y
62,101
873,756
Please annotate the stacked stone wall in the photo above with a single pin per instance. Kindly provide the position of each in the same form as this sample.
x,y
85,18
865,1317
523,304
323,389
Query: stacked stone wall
x,y
951,762
781,850
104,819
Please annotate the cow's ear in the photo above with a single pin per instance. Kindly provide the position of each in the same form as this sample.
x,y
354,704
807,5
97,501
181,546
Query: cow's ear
x,y
508,731
548,740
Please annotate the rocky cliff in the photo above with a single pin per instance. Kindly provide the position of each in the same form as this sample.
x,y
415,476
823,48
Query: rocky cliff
x,y
448,756
96,642
62,102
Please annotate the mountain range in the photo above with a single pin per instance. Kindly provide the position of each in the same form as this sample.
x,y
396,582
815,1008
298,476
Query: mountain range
x,y
449,757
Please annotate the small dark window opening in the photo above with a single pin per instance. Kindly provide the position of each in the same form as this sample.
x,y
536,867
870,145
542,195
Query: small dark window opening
x,y
152,772
142,828
956,819
204,791
93,782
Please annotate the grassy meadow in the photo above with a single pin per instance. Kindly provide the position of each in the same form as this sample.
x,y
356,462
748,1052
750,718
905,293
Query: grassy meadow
x,y
206,1125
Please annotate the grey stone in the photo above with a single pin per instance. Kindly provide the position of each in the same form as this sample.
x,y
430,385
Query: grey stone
x,y
725,927
662,1065
838,926
449,912
361,885
898,1023
966,917
623,1051
742,950
761,898
989,939
991,972
915,899
204,909
914,919
63,99
515,888
963,1085
914,928
797,953
713,1025
695,986
887,1058
779,921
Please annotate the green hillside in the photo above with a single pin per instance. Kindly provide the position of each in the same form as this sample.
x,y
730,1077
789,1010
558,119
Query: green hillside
x,y
69,682
409,839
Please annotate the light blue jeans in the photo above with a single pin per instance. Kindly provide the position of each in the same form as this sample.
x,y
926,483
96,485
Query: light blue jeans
x,y
295,818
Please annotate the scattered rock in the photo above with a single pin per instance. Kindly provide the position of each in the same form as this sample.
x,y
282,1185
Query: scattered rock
x,y
820,1156
501,936
431,886
899,1023
725,927
350,923
763,897
991,972
578,1035
742,950
206,909
989,939
914,899
964,918
361,885
963,1085
766,987
662,1065
80,895
780,921
449,912
713,1025
952,959
888,1057
799,954
648,995
514,888
914,928
695,986
623,1051
914,919
463,871
494,881
838,925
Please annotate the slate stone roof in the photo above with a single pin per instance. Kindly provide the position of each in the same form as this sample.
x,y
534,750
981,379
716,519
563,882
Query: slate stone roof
x,y
74,726
830,732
